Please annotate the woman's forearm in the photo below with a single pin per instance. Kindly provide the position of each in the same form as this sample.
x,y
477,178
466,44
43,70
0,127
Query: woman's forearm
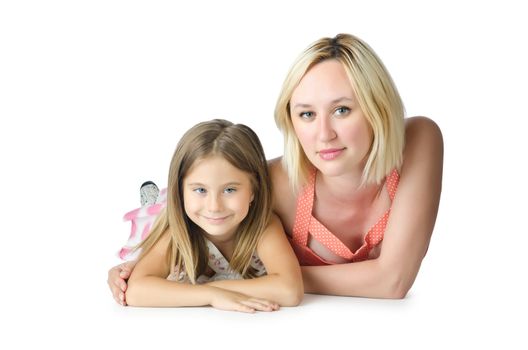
x,y
360,279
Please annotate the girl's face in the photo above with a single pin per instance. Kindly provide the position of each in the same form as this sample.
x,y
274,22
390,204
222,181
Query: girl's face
x,y
328,121
216,197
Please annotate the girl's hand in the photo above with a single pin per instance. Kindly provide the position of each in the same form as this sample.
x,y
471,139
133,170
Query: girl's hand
x,y
117,277
232,301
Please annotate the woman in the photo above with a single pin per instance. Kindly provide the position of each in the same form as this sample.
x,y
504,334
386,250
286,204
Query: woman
x,y
358,187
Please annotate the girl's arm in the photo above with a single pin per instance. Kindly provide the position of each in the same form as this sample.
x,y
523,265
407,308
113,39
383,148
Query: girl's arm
x,y
148,286
283,282
408,230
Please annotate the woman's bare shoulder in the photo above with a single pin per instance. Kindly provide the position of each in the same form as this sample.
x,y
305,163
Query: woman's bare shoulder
x,y
284,199
422,127
279,176
424,148
275,166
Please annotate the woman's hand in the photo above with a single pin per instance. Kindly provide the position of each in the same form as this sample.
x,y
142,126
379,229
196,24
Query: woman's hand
x,y
233,301
117,277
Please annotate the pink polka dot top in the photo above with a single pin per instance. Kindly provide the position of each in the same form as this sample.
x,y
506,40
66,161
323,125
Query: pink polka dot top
x,y
306,224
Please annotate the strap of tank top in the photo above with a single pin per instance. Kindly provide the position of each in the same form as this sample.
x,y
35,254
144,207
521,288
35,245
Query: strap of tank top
x,y
306,224
303,212
375,234
329,240
392,183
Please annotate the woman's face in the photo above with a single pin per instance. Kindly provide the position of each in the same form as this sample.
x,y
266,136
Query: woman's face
x,y
328,121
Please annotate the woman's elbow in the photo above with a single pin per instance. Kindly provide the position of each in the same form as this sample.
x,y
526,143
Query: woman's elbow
x,y
398,291
394,280
398,286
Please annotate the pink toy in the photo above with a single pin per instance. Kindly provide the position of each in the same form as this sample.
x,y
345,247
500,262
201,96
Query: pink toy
x,y
141,220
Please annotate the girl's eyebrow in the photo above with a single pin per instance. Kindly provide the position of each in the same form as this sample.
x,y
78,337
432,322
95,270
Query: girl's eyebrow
x,y
333,102
233,183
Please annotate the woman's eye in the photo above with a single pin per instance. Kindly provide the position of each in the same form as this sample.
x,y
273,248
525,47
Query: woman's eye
x,y
200,190
306,115
342,110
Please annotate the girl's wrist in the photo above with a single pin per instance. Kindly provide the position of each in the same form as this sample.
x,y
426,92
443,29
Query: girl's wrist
x,y
209,293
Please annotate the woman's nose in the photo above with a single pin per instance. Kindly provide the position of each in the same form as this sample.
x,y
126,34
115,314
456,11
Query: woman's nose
x,y
326,130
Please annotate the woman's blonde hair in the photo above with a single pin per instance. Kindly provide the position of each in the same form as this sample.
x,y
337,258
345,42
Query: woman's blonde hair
x,y
240,146
377,96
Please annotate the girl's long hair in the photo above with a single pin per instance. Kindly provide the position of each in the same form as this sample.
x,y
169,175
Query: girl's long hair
x,y
240,146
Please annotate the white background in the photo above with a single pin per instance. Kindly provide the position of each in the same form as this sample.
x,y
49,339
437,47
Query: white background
x,y
94,96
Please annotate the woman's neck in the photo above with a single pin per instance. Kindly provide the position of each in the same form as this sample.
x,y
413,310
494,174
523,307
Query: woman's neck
x,y
345,189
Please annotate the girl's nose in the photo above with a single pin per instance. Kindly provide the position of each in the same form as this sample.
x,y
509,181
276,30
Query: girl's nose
x,y
214,203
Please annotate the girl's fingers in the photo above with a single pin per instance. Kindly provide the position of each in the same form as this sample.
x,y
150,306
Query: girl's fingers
x,y
260,304
245,308
271,304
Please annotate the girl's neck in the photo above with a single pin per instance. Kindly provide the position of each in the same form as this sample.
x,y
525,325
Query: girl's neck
x,y
224,243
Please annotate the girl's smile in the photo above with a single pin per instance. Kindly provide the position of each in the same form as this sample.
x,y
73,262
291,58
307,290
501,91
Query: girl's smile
x,y
216,197
217,220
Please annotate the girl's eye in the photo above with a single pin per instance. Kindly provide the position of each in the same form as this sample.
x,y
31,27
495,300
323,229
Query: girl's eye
x,y
342,111
306,115
200,190
230,190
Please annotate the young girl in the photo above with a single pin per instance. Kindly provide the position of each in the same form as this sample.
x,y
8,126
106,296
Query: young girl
x,y
216,229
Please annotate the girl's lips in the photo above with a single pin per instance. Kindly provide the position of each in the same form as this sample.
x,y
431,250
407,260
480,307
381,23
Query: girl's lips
x,y
216,220
331,153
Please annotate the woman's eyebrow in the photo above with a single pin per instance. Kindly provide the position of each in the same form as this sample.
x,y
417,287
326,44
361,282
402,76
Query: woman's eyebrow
x,y
335,101
301,105
341,99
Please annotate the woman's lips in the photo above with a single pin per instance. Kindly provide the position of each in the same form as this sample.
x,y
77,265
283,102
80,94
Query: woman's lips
x,y
330,153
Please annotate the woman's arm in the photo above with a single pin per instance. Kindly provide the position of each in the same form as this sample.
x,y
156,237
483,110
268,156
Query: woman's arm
x,y
117,277
408,230
283,282
148,286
